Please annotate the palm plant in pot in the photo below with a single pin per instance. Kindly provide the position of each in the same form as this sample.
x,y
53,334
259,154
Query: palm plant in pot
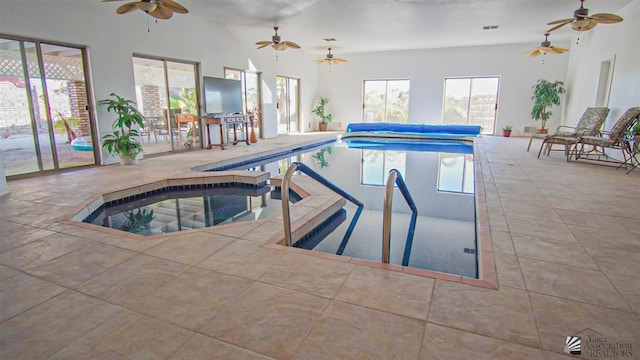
x,y
319,110
122,142
545,95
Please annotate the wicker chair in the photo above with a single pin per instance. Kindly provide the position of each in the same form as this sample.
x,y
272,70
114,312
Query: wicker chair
x,y
589,124
614,139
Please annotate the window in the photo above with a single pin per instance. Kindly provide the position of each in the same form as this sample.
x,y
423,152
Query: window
x,y
165,88
377,163
44,122
251,92
471,101
386,101
455,173
288,104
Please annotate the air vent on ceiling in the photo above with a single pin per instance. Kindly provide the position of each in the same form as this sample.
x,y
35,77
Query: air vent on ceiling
x,y
330,39
490,27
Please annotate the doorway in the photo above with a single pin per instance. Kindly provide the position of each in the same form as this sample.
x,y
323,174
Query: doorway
x,y
288,90
45,124
165,88
251,93
471,101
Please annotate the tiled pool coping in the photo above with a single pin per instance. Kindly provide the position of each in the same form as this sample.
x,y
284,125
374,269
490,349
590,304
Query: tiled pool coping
x,y
317,203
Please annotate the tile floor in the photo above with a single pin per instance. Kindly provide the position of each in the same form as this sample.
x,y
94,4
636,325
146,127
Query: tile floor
x,y
565,237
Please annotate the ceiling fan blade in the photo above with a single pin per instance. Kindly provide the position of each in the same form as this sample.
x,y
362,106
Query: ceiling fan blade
x,y
263,44
111,0
340,60
561,21
556,27
604,18
548,50
290,44
279,46
535,53
173,6
560,48
126,8
320,61
161,12
583,25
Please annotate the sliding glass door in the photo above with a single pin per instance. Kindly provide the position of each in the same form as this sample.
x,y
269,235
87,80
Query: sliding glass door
x,y
251,93
287,89
386,101
44,121
471,101
163,89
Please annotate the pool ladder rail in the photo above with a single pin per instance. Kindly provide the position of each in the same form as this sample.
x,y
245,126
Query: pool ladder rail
x,y
394,178
286,217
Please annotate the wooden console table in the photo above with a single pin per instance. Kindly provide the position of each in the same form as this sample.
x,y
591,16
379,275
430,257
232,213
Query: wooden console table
x,y
188,119
222,120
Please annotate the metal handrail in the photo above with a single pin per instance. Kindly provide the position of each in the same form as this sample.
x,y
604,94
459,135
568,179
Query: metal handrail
x,y
396,178
286,217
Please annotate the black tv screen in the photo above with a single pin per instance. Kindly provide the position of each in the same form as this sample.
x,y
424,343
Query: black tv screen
x,y
222,95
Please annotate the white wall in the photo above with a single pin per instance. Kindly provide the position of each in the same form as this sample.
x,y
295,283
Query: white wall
x,y
427,69
621,40
112,39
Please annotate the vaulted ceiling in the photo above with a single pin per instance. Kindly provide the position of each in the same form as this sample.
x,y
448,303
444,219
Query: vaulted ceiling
x,y
380,25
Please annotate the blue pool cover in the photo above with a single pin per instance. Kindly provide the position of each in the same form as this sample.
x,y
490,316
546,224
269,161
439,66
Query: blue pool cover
x,y
427,130
452,147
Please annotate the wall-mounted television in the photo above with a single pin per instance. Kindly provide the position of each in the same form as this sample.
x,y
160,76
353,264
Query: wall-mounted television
x,y
222,95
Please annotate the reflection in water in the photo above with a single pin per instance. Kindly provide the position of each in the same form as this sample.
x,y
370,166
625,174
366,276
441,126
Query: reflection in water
x,y
376,164
456,173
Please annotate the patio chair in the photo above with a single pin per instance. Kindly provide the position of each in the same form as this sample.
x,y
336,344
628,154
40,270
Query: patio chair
x,y
588,120
589,124
614,139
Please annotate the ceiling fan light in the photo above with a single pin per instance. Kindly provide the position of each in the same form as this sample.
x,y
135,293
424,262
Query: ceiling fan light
x,y
147,6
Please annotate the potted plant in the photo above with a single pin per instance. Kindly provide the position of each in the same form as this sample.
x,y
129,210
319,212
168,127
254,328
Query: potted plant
x,y
319,110
506,130
545,95
636,131
123,142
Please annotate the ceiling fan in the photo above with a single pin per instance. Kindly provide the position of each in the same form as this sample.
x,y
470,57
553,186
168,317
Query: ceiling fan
x,y
277,43
159,9
546,48
582,21
330,59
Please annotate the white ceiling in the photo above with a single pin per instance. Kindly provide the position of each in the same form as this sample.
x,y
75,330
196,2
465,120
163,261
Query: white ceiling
x,y
379,25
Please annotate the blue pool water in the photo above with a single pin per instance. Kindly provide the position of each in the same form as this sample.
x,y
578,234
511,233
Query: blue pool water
x,y
440,178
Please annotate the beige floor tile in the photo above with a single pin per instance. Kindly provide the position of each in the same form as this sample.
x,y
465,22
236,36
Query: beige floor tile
x,y
6,272
47,328
192,298
79,231
235,230
509,273
558,318
128,282
202,347
561,252
502,242
191,248
15,235
571,282
41,251
620,238
615,261
581,218
351,332
629,288
534,212
247,259
309,274
577,204
267,319
264,232
504,314
393,292
82,264
22,292
446,343
127,336
138,245
544,229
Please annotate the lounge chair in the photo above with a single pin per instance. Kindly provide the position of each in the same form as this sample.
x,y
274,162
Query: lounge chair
x,y
614,139
589,124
